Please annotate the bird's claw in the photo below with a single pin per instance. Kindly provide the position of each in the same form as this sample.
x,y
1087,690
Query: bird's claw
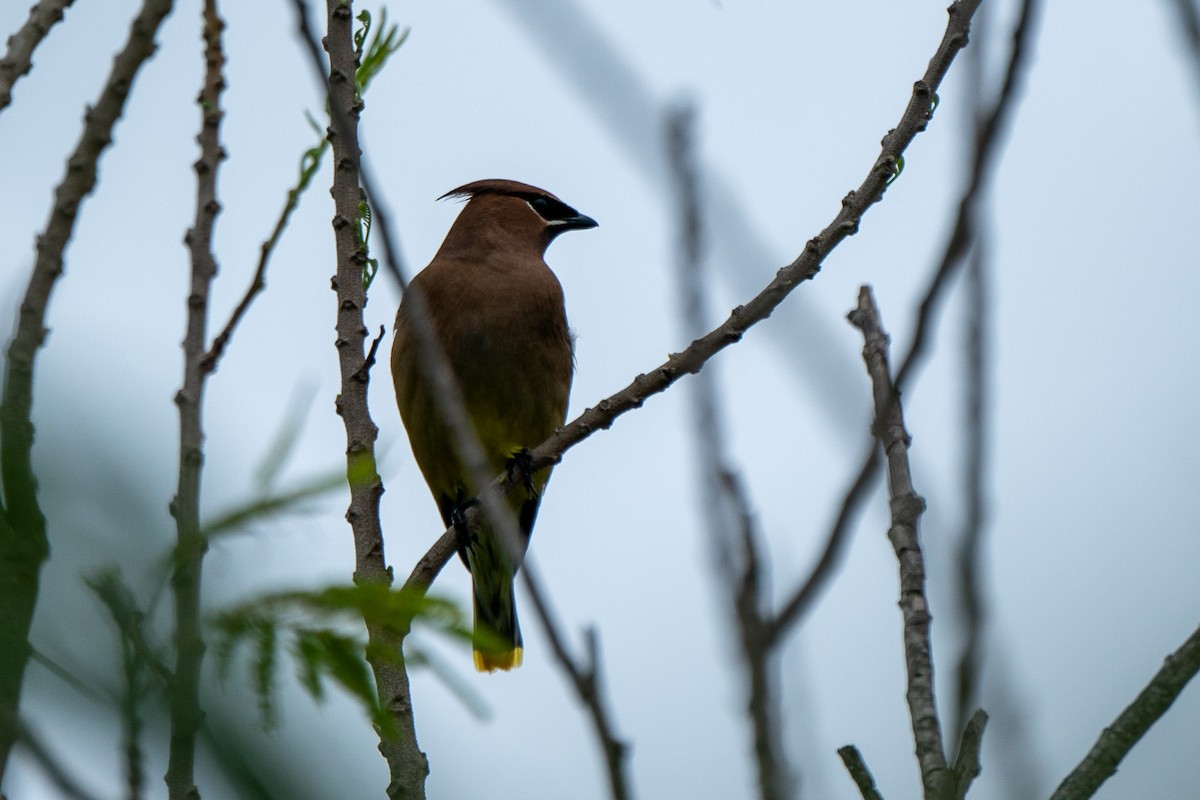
x,y
458,520
522,462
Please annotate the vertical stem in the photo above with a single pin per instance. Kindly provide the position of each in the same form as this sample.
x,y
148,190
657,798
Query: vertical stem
x,y
407,765
186,714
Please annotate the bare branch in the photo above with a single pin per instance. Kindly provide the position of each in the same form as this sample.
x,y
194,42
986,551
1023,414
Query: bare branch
x,y
191,544
907,507
19,57
859,773
23,545
1119,738
967,765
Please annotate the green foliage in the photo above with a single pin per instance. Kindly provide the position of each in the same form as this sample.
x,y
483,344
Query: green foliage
x,y
386,42
897,168
370,265
315,625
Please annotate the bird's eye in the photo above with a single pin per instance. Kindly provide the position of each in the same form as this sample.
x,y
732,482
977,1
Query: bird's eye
x,y
542,206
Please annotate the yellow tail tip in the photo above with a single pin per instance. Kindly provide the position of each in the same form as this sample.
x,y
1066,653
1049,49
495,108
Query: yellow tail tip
x,y
492,660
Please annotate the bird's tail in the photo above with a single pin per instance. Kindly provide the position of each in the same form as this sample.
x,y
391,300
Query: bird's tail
x,y
497,638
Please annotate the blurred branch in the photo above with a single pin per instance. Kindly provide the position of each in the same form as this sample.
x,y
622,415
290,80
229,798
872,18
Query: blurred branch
x,y
191,544
727,513
23,543
859,773
1119,738
55,771
969,555
1188,14
972,609
18,60
122,607
907,507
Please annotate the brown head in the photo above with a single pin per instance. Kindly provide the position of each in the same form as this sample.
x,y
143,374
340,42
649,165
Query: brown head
x,y
510,215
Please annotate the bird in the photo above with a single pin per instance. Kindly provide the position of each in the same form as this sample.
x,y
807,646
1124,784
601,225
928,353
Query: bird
x,y
498,311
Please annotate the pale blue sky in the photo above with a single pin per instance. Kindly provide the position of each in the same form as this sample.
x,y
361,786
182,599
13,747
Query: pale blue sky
x,y
1093,542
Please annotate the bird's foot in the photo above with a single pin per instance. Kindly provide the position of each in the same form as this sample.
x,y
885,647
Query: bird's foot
x,y
458,519
522,462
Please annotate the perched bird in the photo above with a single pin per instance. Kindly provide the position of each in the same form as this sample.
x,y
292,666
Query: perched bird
x,y
498,311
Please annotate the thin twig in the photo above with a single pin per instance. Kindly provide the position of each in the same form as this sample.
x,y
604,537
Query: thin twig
x,y
191,544
907,507
18,59
859,773
1119,738
23,544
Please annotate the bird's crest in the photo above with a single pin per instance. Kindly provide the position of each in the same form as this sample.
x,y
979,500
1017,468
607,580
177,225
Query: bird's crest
x,y
498,186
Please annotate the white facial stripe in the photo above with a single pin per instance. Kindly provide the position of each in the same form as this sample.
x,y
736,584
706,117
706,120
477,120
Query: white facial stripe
x,y
547,221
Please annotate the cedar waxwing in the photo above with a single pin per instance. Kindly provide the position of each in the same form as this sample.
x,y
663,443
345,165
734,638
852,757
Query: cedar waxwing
x,y
498,311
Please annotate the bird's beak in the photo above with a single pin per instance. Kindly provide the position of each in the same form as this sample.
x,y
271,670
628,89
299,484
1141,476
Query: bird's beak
x,y
579,222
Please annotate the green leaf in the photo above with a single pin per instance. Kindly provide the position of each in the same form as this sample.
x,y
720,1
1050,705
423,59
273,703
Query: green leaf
x,y
267,640
324,630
